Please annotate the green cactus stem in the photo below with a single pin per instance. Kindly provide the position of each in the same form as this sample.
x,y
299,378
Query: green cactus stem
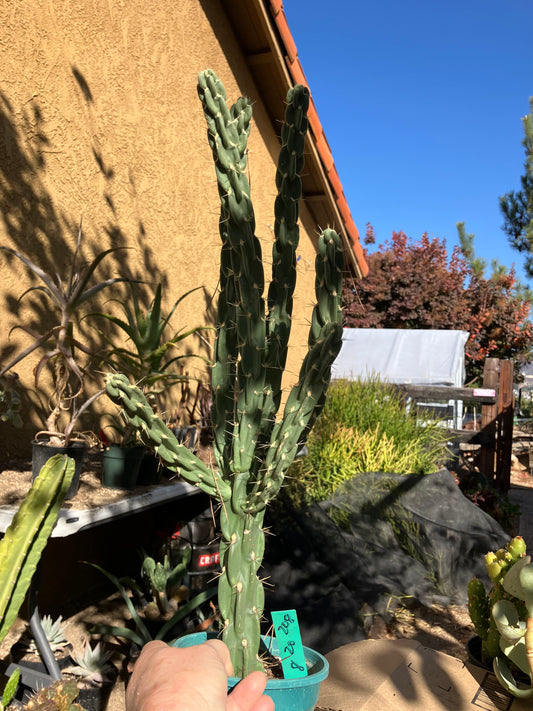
x,y
26,536
253,444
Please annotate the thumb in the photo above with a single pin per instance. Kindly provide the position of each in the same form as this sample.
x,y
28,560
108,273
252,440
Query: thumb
x,y
248,695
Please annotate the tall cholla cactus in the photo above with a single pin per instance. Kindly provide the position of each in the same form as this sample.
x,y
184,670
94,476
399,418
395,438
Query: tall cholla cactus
x,y
253,447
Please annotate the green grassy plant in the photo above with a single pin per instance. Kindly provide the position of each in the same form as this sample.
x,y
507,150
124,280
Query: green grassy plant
x,y
365,427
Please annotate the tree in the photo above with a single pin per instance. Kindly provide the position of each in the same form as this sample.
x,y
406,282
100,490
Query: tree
x,y
517,206
417,285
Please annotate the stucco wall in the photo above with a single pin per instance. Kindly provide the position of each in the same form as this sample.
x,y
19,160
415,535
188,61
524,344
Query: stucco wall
x,y
100,122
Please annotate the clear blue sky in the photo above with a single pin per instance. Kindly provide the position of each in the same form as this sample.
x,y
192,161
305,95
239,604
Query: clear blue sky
x,y
421,102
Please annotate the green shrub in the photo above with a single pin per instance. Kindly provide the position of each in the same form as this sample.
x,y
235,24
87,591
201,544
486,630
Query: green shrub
x,y
365,427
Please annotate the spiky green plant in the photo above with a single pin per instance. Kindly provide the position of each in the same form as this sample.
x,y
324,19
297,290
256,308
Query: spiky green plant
x,y
252,446
163,579
54,633
92,664
365,427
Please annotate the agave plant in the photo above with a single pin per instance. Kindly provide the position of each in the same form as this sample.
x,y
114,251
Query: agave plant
x,y
63,353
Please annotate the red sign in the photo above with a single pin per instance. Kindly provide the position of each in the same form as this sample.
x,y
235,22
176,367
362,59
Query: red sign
x,y
208,559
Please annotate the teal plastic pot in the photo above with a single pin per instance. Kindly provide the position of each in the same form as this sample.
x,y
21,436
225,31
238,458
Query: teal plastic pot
x,y
287,694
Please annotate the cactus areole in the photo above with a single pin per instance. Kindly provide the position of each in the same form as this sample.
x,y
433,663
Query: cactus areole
x,y
253,444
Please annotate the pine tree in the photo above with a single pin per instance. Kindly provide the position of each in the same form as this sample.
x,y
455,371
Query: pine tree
x,y
517,206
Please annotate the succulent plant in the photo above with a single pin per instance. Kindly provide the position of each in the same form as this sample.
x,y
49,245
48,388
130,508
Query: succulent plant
x,y
253,447
164,578
503,617
54,631
92,664
141,635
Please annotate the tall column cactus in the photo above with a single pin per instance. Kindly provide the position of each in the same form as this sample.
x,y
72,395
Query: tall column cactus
x,y
27,535
253,446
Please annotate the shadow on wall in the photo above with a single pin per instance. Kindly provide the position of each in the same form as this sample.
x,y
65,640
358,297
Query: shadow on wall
x,y
34,224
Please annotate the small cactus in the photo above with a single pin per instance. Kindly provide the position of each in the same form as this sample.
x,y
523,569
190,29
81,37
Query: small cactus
x,y
164,579
253,446
59,696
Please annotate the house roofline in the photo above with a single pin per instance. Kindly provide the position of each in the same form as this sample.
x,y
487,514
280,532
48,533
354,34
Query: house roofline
x,y
272,58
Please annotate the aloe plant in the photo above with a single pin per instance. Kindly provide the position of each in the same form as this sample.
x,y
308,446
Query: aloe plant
x,y
149,352
141,635
253,447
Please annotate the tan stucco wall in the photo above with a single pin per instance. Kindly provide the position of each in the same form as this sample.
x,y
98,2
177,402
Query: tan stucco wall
x,y
101,123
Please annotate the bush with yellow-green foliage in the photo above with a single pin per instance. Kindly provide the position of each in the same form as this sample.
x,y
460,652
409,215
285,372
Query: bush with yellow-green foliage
x,y
365,427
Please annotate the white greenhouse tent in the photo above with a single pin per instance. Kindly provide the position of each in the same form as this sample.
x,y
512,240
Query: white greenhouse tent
x,y
417,357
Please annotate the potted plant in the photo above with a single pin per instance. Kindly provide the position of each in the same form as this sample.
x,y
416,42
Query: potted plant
x,y
503,617
253,448
164,609
149,358
122,456
94,673
64,355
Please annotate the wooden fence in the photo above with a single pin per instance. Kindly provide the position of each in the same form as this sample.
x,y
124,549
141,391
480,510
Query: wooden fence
x,y
495,433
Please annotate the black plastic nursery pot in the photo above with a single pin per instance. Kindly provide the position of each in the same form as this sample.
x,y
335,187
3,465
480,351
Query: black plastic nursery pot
x,y
42,451
149,470
121,466
95,698
475,657
288,694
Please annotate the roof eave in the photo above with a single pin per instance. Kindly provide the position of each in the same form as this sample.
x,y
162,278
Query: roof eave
x,y
270,53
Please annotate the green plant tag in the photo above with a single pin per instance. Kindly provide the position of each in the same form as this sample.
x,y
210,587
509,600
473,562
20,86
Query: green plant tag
x,y
291,651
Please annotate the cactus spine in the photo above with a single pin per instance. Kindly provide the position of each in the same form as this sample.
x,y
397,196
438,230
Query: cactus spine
x,y
26,537
253,448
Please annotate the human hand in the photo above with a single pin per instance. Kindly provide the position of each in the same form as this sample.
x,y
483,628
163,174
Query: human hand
x,y
192,679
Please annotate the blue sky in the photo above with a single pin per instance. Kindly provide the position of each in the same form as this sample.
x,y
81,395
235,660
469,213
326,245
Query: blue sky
x,y
421,102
